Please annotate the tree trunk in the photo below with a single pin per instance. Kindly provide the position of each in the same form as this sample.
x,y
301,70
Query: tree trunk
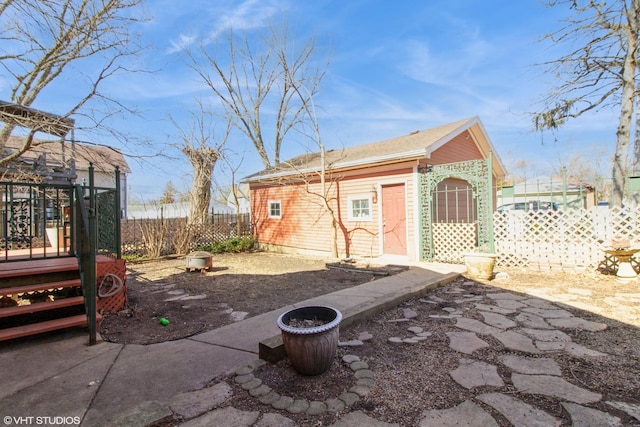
x,y
203,161
623,134
200,194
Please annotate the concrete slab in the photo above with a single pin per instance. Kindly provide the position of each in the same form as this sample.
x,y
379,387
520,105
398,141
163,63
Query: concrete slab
x,y
161,371
245,335
355,304
145,414
65,393
51,355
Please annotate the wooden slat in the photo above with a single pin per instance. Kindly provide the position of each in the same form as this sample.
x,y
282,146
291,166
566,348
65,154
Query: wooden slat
x,y
51,325
37,266
44,265
41,306
40,287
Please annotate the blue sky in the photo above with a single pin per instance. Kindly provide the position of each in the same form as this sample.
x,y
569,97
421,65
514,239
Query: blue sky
x,y
394,67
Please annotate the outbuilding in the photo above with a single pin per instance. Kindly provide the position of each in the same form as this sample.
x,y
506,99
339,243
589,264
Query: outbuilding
x,y
380,199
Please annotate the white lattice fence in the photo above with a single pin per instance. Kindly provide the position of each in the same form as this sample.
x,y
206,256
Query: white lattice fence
x,y
450,240
562,239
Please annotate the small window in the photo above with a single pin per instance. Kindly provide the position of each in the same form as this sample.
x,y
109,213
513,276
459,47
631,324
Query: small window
x,y
275,209
359,208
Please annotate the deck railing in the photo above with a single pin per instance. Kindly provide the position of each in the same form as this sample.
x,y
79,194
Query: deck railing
x,y
36,220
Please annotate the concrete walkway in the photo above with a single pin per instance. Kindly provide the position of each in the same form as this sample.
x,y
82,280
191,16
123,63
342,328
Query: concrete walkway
x,y
62,378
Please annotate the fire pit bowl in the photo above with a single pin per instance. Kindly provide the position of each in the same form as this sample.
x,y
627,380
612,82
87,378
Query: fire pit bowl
x,y
199,260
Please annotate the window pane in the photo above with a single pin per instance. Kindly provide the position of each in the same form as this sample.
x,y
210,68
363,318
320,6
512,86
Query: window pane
x,y
274,209
360,208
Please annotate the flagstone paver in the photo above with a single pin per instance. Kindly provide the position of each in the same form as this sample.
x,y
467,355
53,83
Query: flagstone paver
x,y
465,342
582,416
539,303
272,419
194,403
505,296
465,414
546,334
557,313
578,323
629,408
497,320
494,308
532,321
228,416
553,386
515,341
532,365
474,373
579,350
519,413
523,324
358,418
476,326
509,304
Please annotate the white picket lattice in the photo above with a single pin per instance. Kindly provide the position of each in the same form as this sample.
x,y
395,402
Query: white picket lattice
x,y
450,240
575,237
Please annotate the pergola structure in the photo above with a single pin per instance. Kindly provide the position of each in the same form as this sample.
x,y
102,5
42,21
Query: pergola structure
x,y
16,115
36,120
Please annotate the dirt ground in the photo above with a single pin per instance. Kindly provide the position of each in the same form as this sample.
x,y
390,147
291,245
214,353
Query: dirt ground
x,y
408,378
239,285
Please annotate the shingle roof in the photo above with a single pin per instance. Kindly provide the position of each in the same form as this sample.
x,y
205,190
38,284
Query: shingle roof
x,y
104,158
412,145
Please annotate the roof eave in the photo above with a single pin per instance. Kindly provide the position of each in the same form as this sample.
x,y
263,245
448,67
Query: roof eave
x,y
354,164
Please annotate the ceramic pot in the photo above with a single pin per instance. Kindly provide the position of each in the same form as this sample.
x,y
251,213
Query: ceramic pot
x,y
311,349
480,265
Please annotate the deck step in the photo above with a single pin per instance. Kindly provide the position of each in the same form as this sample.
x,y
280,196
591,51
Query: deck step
x,y
37,266
40,287
41,306
48,326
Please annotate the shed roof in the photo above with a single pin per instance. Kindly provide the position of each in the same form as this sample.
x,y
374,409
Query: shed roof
x,y
416,145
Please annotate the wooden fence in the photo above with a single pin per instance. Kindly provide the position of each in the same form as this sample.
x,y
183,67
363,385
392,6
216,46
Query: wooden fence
x,y
155,237
564,239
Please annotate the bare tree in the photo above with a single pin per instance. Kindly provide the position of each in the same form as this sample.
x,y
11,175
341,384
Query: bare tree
x,y
169,194
234,192
203,153
252,83
600,73
47,41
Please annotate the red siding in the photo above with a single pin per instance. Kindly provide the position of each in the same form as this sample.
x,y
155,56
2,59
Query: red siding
x,y
459,149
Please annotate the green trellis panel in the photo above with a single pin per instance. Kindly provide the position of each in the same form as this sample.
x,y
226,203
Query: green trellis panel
x,y
478,174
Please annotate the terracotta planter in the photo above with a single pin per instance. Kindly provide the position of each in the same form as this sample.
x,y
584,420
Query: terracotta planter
x,y
312,349
479,265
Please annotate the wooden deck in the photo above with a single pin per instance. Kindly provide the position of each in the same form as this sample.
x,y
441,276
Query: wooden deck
x,y
43,265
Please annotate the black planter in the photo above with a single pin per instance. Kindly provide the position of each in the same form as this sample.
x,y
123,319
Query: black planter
x,y
311,350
